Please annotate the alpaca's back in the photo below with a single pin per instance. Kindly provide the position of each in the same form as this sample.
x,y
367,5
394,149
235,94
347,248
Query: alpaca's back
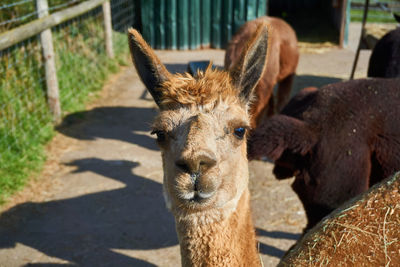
x,y
385,58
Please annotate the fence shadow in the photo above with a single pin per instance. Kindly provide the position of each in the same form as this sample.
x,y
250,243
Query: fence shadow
x,y
271,250
84,230
278,234
118,123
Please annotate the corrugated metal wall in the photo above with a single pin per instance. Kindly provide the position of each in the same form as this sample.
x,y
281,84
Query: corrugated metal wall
x,y
192,24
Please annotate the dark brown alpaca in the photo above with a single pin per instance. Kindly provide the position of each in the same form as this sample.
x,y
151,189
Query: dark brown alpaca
x,y
337,141
385,58
281,65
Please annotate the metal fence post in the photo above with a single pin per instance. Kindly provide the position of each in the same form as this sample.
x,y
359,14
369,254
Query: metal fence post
x,y
108,29
50,65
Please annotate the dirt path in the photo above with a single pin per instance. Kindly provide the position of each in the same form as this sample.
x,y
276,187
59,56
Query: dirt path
x,y
102,205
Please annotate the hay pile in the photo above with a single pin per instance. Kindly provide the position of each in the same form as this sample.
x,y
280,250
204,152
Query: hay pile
x,y
364,231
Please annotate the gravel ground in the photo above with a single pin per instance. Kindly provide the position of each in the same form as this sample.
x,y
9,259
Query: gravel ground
x,y
98,201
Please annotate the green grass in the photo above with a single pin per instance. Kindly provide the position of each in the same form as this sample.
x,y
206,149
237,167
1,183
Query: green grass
x,y
25,121
373,16
24,118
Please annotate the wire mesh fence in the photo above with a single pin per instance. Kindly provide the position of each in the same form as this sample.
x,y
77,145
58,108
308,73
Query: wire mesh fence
x,y
80,58
82,66
25,121
379,10
122,14
15,13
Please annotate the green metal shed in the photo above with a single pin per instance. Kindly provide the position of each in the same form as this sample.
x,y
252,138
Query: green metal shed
x,y
193,24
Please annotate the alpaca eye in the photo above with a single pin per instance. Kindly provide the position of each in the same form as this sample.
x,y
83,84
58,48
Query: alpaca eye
x,y
160,135
239,132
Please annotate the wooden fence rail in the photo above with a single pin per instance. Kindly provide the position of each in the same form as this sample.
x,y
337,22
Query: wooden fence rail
x,y
43,27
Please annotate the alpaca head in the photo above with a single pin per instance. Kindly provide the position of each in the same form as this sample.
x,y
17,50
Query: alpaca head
x,y
201,128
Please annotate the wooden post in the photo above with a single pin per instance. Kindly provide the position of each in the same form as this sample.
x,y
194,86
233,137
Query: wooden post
x,y
353,70
343,22
108,29
50,66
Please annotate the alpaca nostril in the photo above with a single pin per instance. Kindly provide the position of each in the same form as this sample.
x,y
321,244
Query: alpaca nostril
x,y
207,163
196,164
182,165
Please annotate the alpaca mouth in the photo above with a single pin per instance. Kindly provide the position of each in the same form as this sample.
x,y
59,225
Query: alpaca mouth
x,y
196,189
196,196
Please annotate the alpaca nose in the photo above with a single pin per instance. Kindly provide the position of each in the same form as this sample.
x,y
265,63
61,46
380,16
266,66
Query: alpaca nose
x,y
197,164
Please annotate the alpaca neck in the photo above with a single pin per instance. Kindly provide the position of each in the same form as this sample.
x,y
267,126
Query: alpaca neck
x,y
230,241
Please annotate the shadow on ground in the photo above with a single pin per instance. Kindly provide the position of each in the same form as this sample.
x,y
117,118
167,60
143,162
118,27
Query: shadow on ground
x,y
128,124
273,251
85,230
278,234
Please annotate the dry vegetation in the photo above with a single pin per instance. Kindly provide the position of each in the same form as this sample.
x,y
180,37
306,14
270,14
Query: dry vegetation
x,y
364,231
316,48
378,29
375,31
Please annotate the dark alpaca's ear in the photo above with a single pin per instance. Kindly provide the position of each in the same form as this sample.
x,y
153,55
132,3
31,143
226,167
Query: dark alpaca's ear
x,y
247,71
151,71
396,17
280,133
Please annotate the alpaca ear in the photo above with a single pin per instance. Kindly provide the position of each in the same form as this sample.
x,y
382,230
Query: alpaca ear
x,y
280,133
247,71
396,17
150,69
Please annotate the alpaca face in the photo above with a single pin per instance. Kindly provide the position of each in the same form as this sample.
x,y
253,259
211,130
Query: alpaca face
x,y
201,128
204,153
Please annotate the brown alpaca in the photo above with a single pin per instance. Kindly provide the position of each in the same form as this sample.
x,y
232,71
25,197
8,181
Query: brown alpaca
x,y
281,65
201,131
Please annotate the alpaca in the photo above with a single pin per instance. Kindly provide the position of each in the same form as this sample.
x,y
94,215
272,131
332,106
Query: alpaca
x,y
201,131
337,141
385,58
281,65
